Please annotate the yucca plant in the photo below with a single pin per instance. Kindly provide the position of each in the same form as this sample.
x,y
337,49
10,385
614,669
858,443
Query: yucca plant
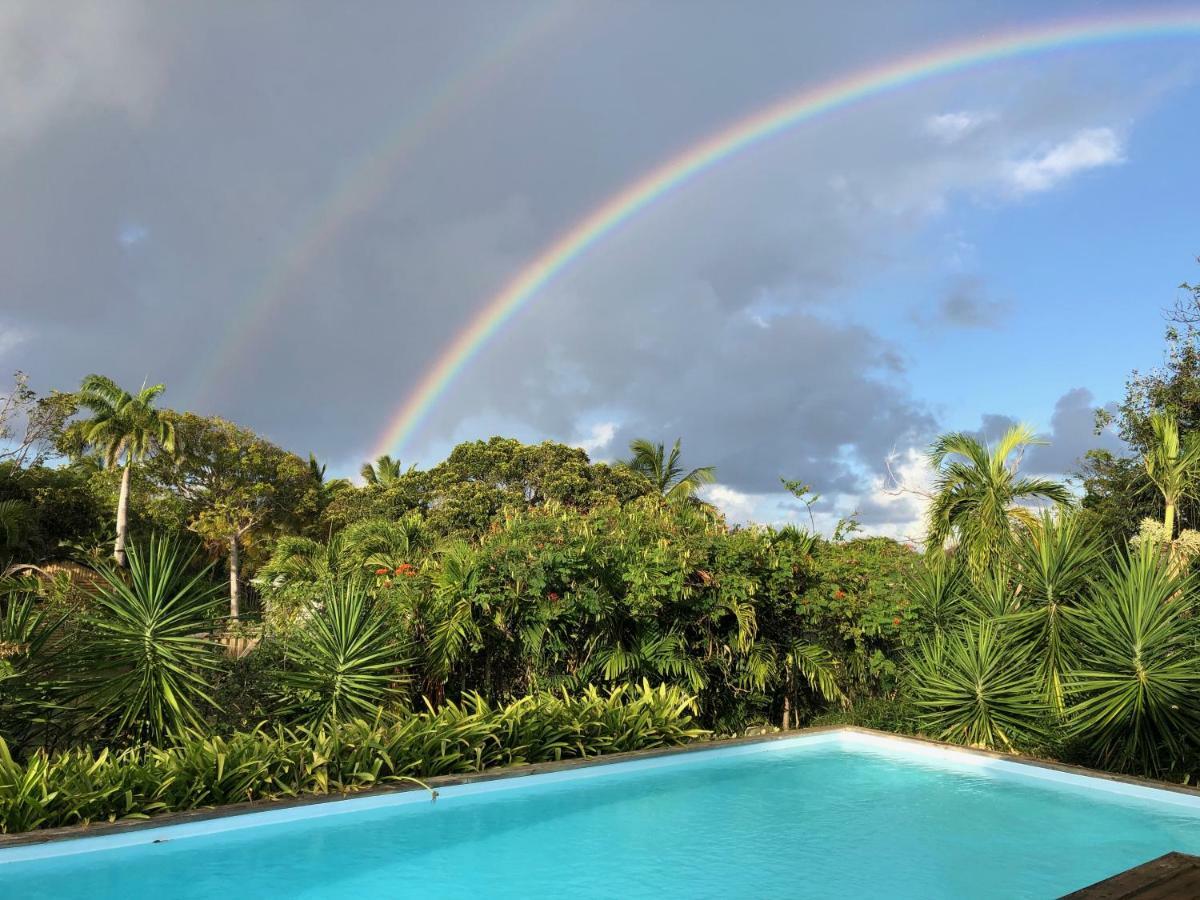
x,y
145,655
345,662
937,587
991,595
31,662
15,516
1135,687
977,686
1054,560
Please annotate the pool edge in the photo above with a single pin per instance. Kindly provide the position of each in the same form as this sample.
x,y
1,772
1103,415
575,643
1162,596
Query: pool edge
x,y
124,833
437,782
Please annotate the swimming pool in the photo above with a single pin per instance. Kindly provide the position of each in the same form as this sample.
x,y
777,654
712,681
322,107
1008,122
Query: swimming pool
x,y
840,813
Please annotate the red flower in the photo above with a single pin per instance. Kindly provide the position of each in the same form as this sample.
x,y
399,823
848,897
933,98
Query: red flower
x,y
839,595
896,621
381,571
552,597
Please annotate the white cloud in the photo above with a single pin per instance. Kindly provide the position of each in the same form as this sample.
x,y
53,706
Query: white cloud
x,y
599,437
737,506
1088,149
953,126
898,499
55,59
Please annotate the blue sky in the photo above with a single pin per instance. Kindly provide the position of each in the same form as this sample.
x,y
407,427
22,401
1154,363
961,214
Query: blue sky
x,y
993,245
1088,266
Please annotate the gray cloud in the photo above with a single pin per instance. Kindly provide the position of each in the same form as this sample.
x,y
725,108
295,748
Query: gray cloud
x,y
1072,433
966,304
738,312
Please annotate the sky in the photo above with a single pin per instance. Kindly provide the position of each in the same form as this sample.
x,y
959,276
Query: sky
x,y
286,211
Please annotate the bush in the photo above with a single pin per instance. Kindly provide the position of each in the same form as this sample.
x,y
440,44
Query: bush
x,y
81,786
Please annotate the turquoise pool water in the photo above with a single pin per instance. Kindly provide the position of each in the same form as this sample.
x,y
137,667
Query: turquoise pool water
x,y
824,816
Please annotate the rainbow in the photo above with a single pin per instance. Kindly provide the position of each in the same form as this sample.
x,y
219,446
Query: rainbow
x,y
758,127
361,182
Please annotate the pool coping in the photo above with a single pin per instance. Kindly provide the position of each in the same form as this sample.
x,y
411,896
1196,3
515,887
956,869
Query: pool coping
x,y
99,829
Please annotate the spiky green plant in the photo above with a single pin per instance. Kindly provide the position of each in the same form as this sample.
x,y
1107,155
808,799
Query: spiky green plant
x,y
31,663
14,522
1054,560
936,589
345,662
146,650
1135,685
991,594
976,685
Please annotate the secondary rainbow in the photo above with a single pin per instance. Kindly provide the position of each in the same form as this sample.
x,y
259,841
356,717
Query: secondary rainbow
x,y
364,179
760,126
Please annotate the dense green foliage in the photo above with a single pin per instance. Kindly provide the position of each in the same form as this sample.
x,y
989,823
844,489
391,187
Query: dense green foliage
x,y
86,785
519,602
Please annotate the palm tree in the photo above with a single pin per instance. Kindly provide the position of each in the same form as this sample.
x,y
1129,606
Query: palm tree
x,y
665,472
126,429
978,495
1171,464
326,490
383,471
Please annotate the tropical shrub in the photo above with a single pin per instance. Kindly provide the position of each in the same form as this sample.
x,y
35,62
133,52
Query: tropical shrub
x,y
142,667
345,662
30,661
977,685
1134,690
197,770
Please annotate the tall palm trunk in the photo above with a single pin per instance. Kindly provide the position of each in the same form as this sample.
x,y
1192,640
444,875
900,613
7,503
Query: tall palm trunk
x,y
235,584
122,517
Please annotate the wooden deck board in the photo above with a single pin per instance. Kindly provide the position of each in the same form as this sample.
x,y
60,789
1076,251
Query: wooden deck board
x,y
1170,877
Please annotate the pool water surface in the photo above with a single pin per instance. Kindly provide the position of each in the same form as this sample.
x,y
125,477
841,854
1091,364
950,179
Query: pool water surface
x,y
831,814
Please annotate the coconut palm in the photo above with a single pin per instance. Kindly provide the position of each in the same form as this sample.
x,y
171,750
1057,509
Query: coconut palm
x,y
125,428
383,471
978,496
326,489
664,470
1172,465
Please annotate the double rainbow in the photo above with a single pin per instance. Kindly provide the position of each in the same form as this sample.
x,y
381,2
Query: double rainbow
x,y
761,126
365,178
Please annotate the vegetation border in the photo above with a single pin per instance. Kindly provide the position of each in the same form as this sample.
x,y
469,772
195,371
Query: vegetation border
x,y
72,832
